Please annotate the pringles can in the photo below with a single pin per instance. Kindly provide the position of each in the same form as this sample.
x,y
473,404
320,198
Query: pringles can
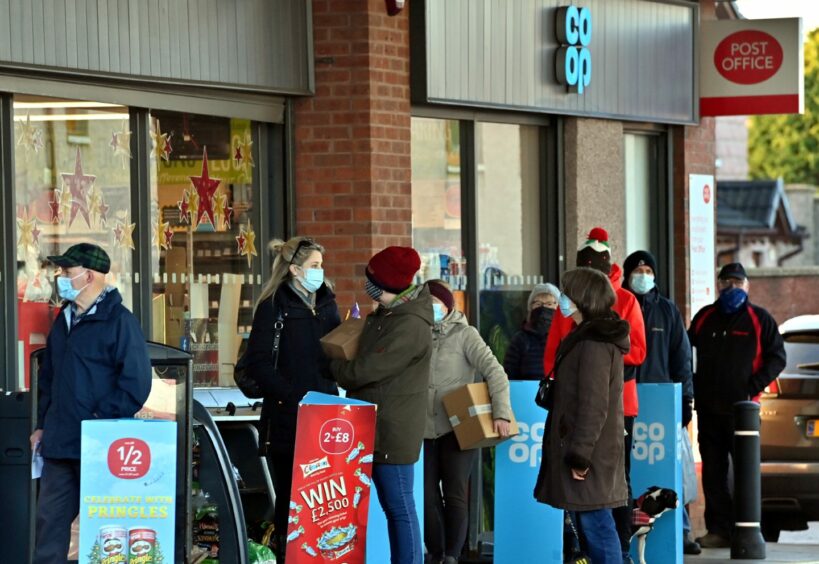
x,y
141,546
113,541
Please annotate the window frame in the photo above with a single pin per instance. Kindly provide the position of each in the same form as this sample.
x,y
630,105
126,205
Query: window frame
x,y
661,201
269,216
551,190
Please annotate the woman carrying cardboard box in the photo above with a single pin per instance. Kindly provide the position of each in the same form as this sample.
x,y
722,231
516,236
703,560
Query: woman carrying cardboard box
x,y
459,355
298,308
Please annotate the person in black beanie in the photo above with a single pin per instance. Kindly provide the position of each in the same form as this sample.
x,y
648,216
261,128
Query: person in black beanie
x,y
668,352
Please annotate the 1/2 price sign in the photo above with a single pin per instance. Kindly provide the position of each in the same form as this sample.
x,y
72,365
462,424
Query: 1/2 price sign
x,y
128,495
129,458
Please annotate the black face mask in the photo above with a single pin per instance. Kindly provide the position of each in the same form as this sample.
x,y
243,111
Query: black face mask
x,y
540,319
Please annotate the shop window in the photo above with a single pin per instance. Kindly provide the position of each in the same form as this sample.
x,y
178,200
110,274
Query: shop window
x,y
436,202
72,184
509,227
205,253
638,192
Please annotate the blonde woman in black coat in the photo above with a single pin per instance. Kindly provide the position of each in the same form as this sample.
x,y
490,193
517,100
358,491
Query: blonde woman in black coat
x,y
297,296
583,456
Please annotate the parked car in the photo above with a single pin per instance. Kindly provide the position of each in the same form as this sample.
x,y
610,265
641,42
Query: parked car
x,y
789,435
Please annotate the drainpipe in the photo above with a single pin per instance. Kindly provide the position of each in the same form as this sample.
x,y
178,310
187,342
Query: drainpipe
x,y
799,248
732,250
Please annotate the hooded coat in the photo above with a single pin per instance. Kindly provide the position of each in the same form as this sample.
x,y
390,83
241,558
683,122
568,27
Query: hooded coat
x,y
459,356
585,428
628,309
391,370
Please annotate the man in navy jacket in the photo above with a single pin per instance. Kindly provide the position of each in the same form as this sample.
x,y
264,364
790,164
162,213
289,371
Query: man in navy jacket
x,y
668,352
739,351
95,366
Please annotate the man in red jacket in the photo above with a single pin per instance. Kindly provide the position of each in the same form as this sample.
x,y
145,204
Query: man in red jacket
x,y
595,253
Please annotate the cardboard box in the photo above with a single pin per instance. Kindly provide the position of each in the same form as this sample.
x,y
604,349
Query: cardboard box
x,y
470,412
342,342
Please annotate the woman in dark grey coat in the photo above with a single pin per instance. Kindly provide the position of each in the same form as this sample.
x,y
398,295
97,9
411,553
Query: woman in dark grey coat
x,y
583,460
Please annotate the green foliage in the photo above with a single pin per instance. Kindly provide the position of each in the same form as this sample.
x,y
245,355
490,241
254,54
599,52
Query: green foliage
x,y
788,145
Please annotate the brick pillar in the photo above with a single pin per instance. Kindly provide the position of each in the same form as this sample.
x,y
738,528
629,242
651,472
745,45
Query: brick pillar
x,y
694,153
352,144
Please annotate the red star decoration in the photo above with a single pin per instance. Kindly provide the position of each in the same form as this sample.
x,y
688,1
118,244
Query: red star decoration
x,y
35,235
118,231
78,185
238,156
104,208
206,189
168,238
54,204
228,213
167,149
184,211
240,241
114,143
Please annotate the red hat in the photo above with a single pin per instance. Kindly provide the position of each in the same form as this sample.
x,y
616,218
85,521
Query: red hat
x,y
595,251
393,268
440,290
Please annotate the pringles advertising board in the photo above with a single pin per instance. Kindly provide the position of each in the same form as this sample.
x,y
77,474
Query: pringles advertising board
x,y
127,492
332,470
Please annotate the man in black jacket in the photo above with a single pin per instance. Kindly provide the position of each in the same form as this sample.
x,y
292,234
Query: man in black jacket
x,y
668,352
738,352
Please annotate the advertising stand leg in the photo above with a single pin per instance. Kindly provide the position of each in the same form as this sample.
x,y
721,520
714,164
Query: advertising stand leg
x,y
524,527
656,460
332,469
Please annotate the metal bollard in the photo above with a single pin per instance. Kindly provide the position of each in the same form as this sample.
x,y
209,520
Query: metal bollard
x,y
747,542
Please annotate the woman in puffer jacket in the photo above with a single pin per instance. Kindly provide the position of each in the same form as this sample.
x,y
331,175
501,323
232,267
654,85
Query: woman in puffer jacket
x,y
459,357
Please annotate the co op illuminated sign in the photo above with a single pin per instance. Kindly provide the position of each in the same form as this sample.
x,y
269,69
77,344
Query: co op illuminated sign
x,y
573,64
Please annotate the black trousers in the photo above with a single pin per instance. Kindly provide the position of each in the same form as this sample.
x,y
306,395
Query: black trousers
x,y
715,435
281,469
622,515
446,491
57,506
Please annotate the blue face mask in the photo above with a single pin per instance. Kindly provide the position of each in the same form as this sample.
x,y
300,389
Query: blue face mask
x,y
438,312
313,279
66,290
641,283
731,299
567,308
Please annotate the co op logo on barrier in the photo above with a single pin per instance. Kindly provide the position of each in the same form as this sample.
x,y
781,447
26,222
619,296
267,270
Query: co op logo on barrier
x,y
573,64
648,442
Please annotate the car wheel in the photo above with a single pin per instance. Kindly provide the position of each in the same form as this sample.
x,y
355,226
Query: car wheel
x,y
770,532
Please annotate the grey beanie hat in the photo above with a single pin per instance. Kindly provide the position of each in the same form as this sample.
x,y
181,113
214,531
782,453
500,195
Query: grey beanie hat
x,y
542,289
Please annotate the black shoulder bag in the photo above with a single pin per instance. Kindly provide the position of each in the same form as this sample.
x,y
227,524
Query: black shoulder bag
x,y
546,390
248,384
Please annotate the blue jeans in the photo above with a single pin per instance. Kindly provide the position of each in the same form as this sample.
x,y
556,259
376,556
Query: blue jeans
x,y
602,541
58,504
393,482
